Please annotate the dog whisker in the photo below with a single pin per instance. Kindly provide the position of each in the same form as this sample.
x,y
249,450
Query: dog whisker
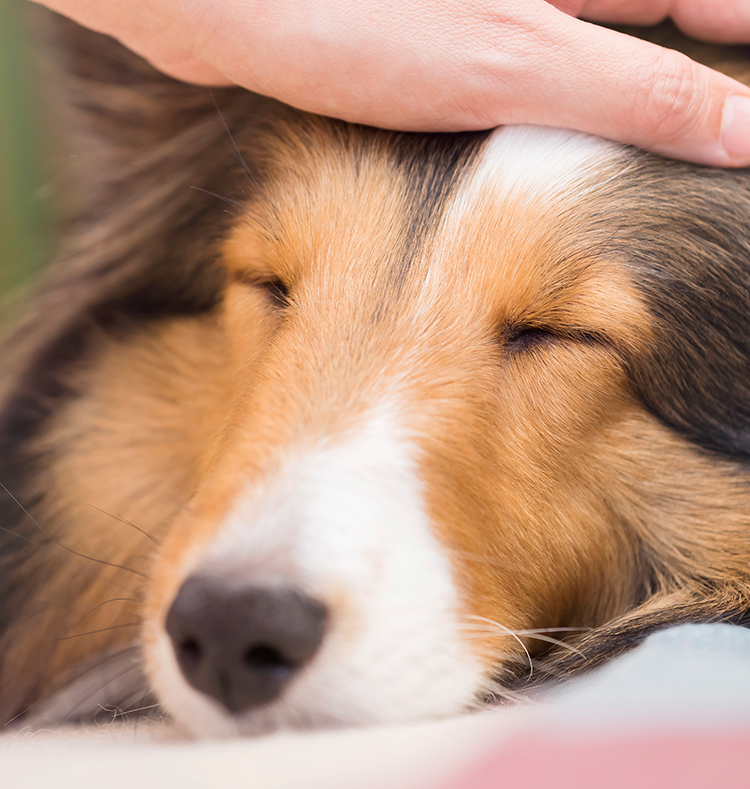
x,y
533,630
126,522
93,632
498,690
96,690
107,602
65,547
11,559
509,632
250,174
548,639
489,629
243,162
132,710
223,198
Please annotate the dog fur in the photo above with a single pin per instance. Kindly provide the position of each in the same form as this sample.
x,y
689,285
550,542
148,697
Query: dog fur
x,y
510,369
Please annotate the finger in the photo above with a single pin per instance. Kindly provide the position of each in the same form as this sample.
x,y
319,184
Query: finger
x,y
723,21
634,92
142,27
189,69
624,12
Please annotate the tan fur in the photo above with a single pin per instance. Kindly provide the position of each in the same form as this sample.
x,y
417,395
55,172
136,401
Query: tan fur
x,y
127,454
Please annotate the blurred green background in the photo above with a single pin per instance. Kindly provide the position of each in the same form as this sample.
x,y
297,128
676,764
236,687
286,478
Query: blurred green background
x,y
26,191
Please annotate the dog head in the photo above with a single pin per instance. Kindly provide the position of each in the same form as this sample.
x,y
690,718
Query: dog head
x,y
468,402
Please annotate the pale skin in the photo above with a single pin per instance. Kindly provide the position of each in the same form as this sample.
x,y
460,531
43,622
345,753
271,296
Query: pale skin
x,y
448,65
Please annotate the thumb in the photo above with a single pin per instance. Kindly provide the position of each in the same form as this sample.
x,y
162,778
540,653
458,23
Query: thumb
x,y
636,92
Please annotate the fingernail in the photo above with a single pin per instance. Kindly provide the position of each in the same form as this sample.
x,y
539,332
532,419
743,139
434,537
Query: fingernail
x,y
735,127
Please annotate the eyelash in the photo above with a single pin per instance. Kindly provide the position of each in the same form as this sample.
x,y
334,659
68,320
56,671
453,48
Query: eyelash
x,y
517,339
520,339
275,290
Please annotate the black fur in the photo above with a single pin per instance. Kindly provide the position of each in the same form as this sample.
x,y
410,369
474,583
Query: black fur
x,y
685,236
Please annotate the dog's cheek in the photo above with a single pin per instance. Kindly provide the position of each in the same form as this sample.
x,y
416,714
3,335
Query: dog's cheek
x,y
515,487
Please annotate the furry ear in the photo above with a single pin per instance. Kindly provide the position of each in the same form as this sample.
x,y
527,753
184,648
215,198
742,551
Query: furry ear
x,y
683,231
138,244
688,248
155,174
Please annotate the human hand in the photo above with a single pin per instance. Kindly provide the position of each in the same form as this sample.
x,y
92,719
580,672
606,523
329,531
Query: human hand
x,y
447,65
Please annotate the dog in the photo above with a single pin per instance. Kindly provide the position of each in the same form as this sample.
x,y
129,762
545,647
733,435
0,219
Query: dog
x,y
312,424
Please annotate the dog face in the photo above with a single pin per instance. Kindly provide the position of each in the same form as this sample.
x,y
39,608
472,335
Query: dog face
x,y
416,404
435,436
387,417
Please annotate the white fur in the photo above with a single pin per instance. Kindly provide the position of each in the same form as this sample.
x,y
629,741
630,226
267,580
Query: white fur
x,y
346,524
532,163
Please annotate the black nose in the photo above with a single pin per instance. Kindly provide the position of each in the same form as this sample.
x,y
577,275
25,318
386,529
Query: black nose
x,y
242,644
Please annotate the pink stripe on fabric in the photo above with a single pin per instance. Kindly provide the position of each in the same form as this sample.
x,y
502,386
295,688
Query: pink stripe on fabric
x,y
690,761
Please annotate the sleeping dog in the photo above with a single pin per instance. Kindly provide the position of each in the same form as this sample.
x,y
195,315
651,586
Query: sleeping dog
x,y
312,424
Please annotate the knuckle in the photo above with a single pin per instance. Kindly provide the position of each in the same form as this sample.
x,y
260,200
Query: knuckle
x,y
668,97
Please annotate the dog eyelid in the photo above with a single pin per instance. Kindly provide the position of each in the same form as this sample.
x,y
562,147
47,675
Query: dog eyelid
x,y
276,290
520,338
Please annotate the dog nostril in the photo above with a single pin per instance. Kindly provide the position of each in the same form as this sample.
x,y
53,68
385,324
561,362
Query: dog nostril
x,y
189,651
242,644
266,658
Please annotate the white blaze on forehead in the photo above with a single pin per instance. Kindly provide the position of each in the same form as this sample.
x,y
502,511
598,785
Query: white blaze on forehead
x,y
536,161
532,165
346,523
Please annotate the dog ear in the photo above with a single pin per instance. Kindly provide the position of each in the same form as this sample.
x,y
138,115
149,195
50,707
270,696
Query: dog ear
x,y
155,173
688,248
155,176
119,116
141,212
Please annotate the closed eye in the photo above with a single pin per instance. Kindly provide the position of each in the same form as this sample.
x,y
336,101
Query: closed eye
x,y
522,338
275,290
519,339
